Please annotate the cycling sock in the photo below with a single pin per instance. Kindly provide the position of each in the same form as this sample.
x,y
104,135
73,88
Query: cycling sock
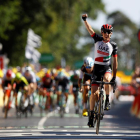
x,y
84,105
107,97
68,102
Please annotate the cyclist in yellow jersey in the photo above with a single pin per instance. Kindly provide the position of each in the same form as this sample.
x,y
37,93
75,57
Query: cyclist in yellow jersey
x,y
19,82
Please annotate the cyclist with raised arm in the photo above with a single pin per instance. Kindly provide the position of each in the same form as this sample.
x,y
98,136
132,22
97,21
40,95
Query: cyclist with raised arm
x,y
104,49
85,78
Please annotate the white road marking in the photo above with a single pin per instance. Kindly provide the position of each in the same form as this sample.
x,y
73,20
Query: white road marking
x,y
125,134
42,121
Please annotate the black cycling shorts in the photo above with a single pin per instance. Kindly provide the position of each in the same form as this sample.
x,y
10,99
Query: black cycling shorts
x,y
99,71
6,82
19,86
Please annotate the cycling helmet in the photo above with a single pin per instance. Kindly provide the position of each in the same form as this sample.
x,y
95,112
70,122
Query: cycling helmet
x,y
47,75
9,73
28,68
88,61
76,72
107,27
18,76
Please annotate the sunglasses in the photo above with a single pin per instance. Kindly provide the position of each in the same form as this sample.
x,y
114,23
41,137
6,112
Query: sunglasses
x,y
88,67
106,31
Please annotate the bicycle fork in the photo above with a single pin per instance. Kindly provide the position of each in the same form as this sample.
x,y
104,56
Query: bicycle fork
x,y
101,99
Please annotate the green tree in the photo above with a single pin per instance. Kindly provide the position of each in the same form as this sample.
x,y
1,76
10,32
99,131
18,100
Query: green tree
x,y
125,35
57,22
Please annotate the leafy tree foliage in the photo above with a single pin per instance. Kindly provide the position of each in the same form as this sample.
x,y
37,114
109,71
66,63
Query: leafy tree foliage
x,y
125,35
57,22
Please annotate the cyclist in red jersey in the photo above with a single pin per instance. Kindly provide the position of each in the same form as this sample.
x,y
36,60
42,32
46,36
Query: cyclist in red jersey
x,y
104,50
85,78
45,89
6,82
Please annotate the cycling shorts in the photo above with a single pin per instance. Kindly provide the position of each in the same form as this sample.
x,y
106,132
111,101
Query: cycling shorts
x,y
63,89
46,86
86,77
6,82
75,88
19,86
99,71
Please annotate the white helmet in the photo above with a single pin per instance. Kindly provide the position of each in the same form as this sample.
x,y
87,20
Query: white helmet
x,y
28,68
76,72
88,61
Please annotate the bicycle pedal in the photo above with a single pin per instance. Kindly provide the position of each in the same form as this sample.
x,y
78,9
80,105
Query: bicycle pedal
x,y
107,109
91,126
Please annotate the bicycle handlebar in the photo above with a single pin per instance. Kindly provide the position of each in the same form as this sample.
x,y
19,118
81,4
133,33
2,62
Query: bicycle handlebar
x,y
102,82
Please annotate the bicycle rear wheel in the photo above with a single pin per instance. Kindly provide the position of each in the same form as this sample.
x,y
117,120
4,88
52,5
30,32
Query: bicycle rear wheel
x,y
62,105
99,114
5,111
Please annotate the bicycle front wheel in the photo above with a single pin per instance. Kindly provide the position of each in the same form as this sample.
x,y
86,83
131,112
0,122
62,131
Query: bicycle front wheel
x,y
99,114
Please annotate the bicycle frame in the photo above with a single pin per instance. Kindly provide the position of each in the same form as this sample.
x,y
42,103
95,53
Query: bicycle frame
x,y
100,109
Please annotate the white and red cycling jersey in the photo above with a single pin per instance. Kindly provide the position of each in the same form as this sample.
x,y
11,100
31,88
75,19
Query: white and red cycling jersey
x,y
103,50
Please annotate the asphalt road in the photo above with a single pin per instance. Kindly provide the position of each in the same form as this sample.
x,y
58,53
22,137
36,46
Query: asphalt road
x,y
118,123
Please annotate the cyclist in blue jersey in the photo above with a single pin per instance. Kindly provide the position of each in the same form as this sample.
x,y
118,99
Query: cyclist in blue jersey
x,y
104,50
85,78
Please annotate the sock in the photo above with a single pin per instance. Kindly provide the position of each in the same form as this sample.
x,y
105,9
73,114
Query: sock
x,y
68,102
107,97
84,105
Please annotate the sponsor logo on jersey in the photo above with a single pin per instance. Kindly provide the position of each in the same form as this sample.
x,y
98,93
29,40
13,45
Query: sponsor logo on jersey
x,y
103,49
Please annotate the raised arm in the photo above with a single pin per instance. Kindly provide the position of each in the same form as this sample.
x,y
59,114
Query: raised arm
x,y
88,26
115,66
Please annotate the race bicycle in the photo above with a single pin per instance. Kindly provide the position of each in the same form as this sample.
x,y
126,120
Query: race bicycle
x,y
99,105
23,102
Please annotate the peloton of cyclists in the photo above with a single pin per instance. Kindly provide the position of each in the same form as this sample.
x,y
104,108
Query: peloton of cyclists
x,y
85,76
104,49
